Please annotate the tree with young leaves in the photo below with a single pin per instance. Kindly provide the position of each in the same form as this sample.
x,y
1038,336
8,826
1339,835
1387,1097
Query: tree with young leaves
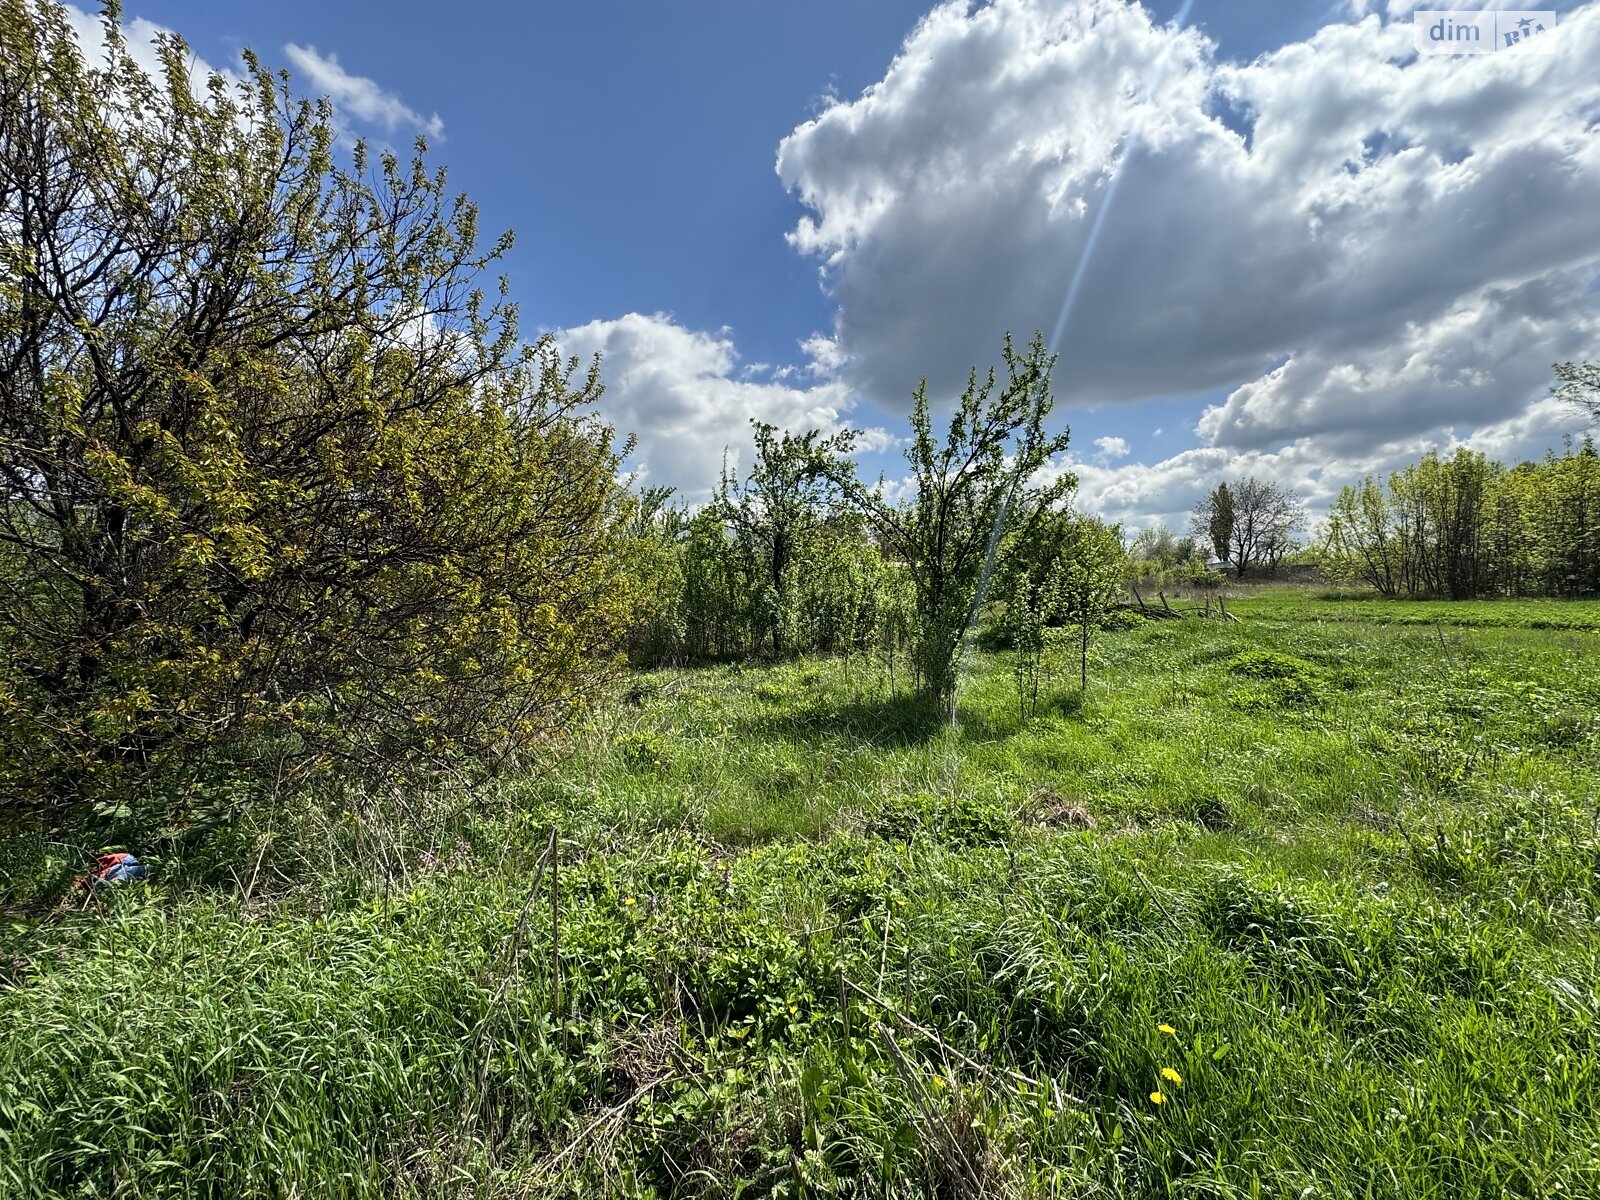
x,y
1363,540
776,508
281,491
1213,521
1579,387
1090,567
967,493
1067,571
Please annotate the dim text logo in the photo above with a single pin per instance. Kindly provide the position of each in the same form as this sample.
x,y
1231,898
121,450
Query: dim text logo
x,y
1478,31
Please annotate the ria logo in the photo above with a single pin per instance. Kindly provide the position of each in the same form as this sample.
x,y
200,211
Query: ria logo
x,y
1476,31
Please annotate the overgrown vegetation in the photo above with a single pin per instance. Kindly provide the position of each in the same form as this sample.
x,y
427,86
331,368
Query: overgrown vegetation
x,y
802,555
814,941
924,868
1467,526
281,494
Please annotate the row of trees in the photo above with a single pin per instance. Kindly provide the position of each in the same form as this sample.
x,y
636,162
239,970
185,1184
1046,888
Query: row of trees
x,y
798,554
1464,526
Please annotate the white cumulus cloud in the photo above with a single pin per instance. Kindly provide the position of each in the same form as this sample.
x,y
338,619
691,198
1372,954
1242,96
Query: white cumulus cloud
x,y
1364,251
140,38
684,395
357,97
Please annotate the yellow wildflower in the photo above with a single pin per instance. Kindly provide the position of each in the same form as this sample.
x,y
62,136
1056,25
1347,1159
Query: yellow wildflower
x,y
1157,1098
627,902
1170,1075
1168,1030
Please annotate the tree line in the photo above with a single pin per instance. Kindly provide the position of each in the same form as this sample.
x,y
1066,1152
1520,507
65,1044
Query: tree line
x,y
799,555
1458,525
1463,525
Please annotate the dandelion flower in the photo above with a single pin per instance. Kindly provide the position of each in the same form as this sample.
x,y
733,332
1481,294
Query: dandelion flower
x,y
1170,1075
1157,1098
1168,1030
627,902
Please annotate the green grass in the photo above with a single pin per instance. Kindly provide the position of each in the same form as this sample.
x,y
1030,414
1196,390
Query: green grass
x,y
1354,864
1301,604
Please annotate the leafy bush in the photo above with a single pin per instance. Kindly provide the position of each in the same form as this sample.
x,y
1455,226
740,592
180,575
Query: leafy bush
x,y
317,504
962,820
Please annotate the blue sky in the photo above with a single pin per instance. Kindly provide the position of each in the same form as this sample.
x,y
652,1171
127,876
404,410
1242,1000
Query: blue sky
x,y
794,211
629,143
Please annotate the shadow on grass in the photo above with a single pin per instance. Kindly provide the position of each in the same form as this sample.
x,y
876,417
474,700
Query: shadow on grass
x,y
901,721
987,717
1067,703
887,721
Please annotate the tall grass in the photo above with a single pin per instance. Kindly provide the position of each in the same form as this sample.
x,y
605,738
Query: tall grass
x,y
1341,879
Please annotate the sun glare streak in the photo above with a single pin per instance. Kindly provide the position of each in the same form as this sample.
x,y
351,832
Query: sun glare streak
x,y
1061,328
1106,202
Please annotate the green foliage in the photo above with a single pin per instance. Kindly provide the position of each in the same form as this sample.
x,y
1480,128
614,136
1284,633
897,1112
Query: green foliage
x,y
1466,526
1196,574
962,820
1158,557
971,491
282,490
645,751
1280,680
777,509
1066,569
1269,664
774,565
845,598
1089,580
1219,519
718,606
1163,549
655,534
1533,854
1361,607
1120,620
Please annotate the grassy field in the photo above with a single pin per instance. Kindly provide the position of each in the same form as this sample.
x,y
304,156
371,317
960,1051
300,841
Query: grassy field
x,y
1363,606
1304,905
